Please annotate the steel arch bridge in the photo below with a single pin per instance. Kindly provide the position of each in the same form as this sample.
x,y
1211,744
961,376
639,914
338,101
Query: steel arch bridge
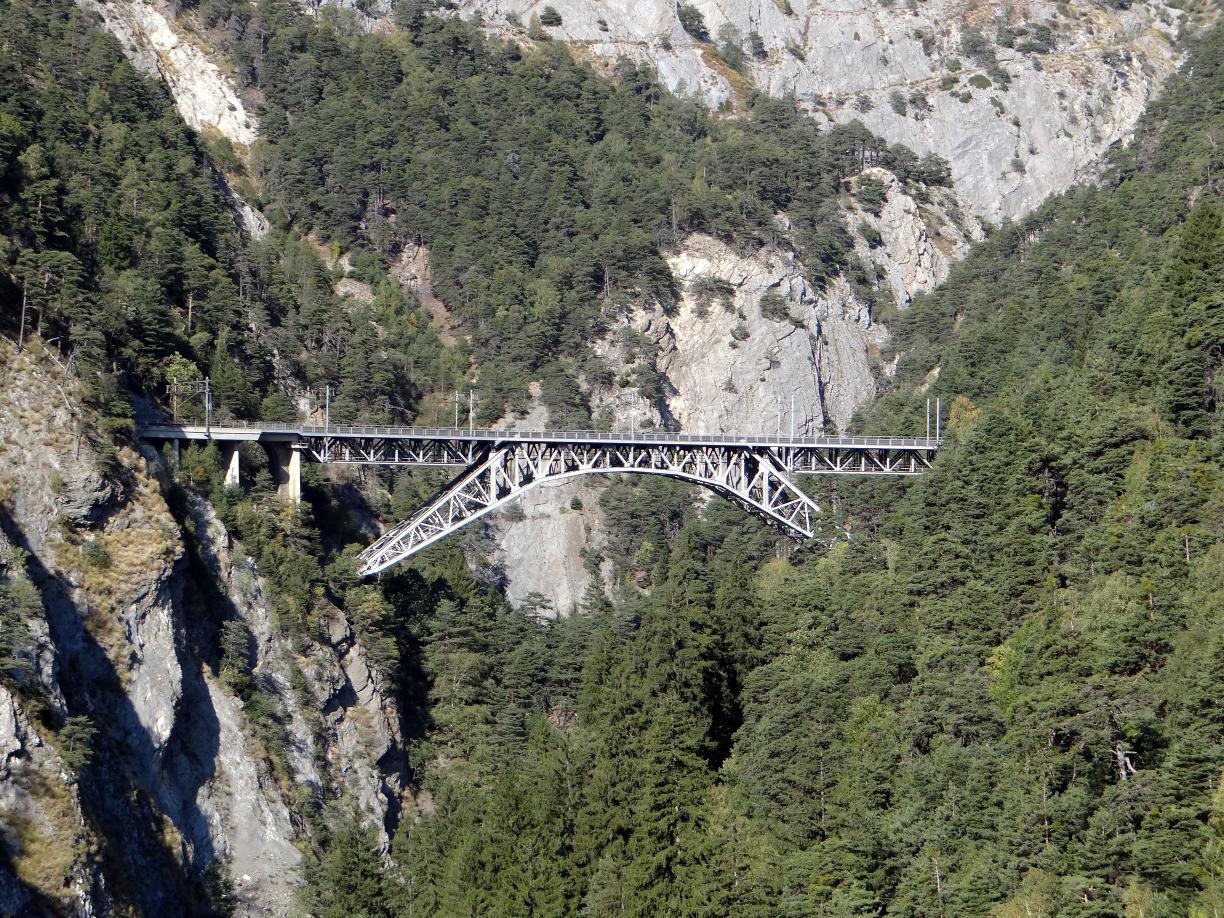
x,y
499,465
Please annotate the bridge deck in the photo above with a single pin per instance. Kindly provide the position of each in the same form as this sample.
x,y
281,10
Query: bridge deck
x,y
247,431
499,465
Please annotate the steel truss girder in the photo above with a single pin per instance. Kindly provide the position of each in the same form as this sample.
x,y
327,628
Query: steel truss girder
x,y
393,451
752,476
857,460
462,452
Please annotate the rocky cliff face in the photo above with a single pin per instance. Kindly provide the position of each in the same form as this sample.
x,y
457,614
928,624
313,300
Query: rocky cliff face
x,y
542,547
725,364
162,48
152,42
753,344
1020,97
182,779
41,820
911,245
734,367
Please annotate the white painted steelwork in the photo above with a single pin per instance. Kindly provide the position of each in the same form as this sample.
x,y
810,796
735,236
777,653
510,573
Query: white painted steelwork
x,y
499,465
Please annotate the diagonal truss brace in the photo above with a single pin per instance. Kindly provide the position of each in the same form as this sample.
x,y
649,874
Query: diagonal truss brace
x,y
750,475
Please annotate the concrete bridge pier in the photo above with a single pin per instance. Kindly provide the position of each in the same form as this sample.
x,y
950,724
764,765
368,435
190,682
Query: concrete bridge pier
x,y
286,461
229,453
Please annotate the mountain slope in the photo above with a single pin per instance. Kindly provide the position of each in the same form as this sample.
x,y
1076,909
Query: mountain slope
x,y
997,694
1020,98
997,698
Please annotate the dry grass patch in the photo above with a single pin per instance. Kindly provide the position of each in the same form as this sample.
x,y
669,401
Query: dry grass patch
x,y
47,846
139,544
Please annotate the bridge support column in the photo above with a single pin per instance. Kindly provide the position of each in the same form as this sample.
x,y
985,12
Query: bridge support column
x,y
294,489
286,460
232,479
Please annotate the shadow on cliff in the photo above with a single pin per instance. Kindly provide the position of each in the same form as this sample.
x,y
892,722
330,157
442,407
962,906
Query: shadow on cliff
x,y
18,898
123,786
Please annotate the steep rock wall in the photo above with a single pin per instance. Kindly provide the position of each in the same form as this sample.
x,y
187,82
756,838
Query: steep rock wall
x,y
182,779
50,859
1009,147
542,547
911,245
726,366
153,43
733,368
101,560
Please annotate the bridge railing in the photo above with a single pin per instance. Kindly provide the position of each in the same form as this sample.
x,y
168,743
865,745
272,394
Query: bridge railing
x,y
582,436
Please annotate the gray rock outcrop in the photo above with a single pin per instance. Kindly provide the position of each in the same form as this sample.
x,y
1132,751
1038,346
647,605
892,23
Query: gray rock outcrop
x,y
41,824
153,43
734,368
923,75
114,639
541,549
913,247
727,366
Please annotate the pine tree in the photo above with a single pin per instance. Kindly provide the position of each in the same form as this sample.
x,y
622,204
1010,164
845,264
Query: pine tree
x,y
348,880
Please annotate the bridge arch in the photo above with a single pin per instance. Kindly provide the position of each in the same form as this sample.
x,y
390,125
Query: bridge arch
x,y
749,476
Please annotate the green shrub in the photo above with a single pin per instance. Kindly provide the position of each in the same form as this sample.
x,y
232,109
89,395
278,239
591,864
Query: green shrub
x,y
731,46
693,22
773,307
1041,42
708,290
870,192
95,555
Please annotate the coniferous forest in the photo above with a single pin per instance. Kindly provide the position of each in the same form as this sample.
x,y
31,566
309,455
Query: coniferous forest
x,y
998,690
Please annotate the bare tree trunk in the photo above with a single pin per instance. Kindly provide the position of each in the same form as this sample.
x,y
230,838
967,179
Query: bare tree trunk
x,y
21,328
938,885
1126,768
